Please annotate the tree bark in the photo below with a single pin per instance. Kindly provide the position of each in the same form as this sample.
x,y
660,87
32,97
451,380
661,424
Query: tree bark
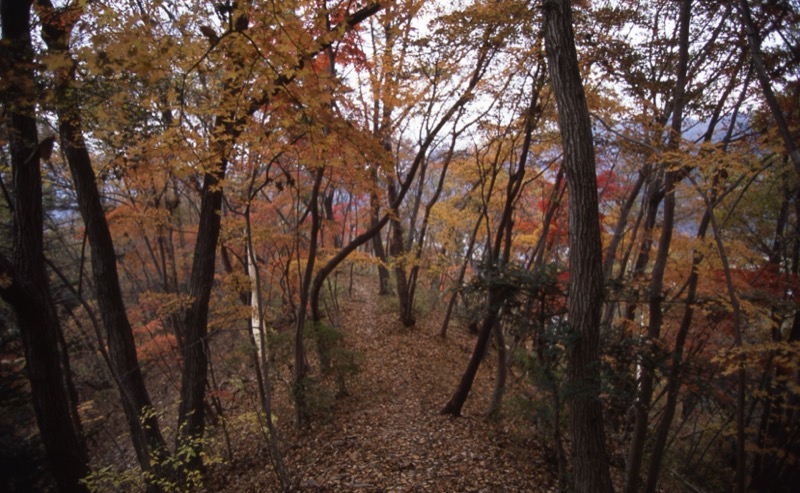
x,y
300,370
397,249
194,375
146,436
459,397
377,241
26,287
497,259
589,457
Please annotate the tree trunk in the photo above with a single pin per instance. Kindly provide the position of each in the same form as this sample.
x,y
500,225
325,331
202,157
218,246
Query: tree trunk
x,y
459,397
498,258
397,249
300,370
259,333
754,41
676,365
28,291
377,241
589,458
502,372
194,375
644,396
460,278
148,441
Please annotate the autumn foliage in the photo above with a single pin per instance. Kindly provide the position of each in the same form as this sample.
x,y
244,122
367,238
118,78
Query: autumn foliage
x,y
195,193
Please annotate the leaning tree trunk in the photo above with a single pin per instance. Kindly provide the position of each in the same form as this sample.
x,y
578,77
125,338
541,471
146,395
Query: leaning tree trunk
x,y
146,435
497,259
25,286
754,42
589,457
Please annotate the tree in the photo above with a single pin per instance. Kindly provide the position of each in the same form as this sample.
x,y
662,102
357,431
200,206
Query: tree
x,y
498,253
148,441
25,285
589,458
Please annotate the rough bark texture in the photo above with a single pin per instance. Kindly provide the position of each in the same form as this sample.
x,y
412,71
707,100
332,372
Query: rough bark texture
x,y
147,439
194,377
27,289
589,457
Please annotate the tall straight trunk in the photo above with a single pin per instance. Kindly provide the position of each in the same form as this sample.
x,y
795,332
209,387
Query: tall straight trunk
x,y
146,436
194,375
194,351
741,374
589,457
26,287
259,333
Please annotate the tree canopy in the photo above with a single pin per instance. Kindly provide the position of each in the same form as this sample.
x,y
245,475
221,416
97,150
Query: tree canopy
x,y
604,194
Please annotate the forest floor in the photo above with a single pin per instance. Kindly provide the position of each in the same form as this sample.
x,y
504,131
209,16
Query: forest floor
x,y
387,434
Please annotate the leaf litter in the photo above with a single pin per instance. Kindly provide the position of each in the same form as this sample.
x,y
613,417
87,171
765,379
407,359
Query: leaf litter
x,y
386,434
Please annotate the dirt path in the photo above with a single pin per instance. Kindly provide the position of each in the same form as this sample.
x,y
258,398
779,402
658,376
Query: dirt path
x,y
388,435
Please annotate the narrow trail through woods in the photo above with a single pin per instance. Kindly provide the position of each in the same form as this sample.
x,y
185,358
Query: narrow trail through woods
x,y
387,435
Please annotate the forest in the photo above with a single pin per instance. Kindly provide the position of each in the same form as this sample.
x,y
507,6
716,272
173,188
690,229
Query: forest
x,y
402,245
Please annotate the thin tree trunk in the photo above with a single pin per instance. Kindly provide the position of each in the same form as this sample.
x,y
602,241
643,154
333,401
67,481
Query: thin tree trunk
x,y
646,383
260,331
398,252
502,372
460,278
456,402
497,258
741,375
377,241
676,365
194,375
